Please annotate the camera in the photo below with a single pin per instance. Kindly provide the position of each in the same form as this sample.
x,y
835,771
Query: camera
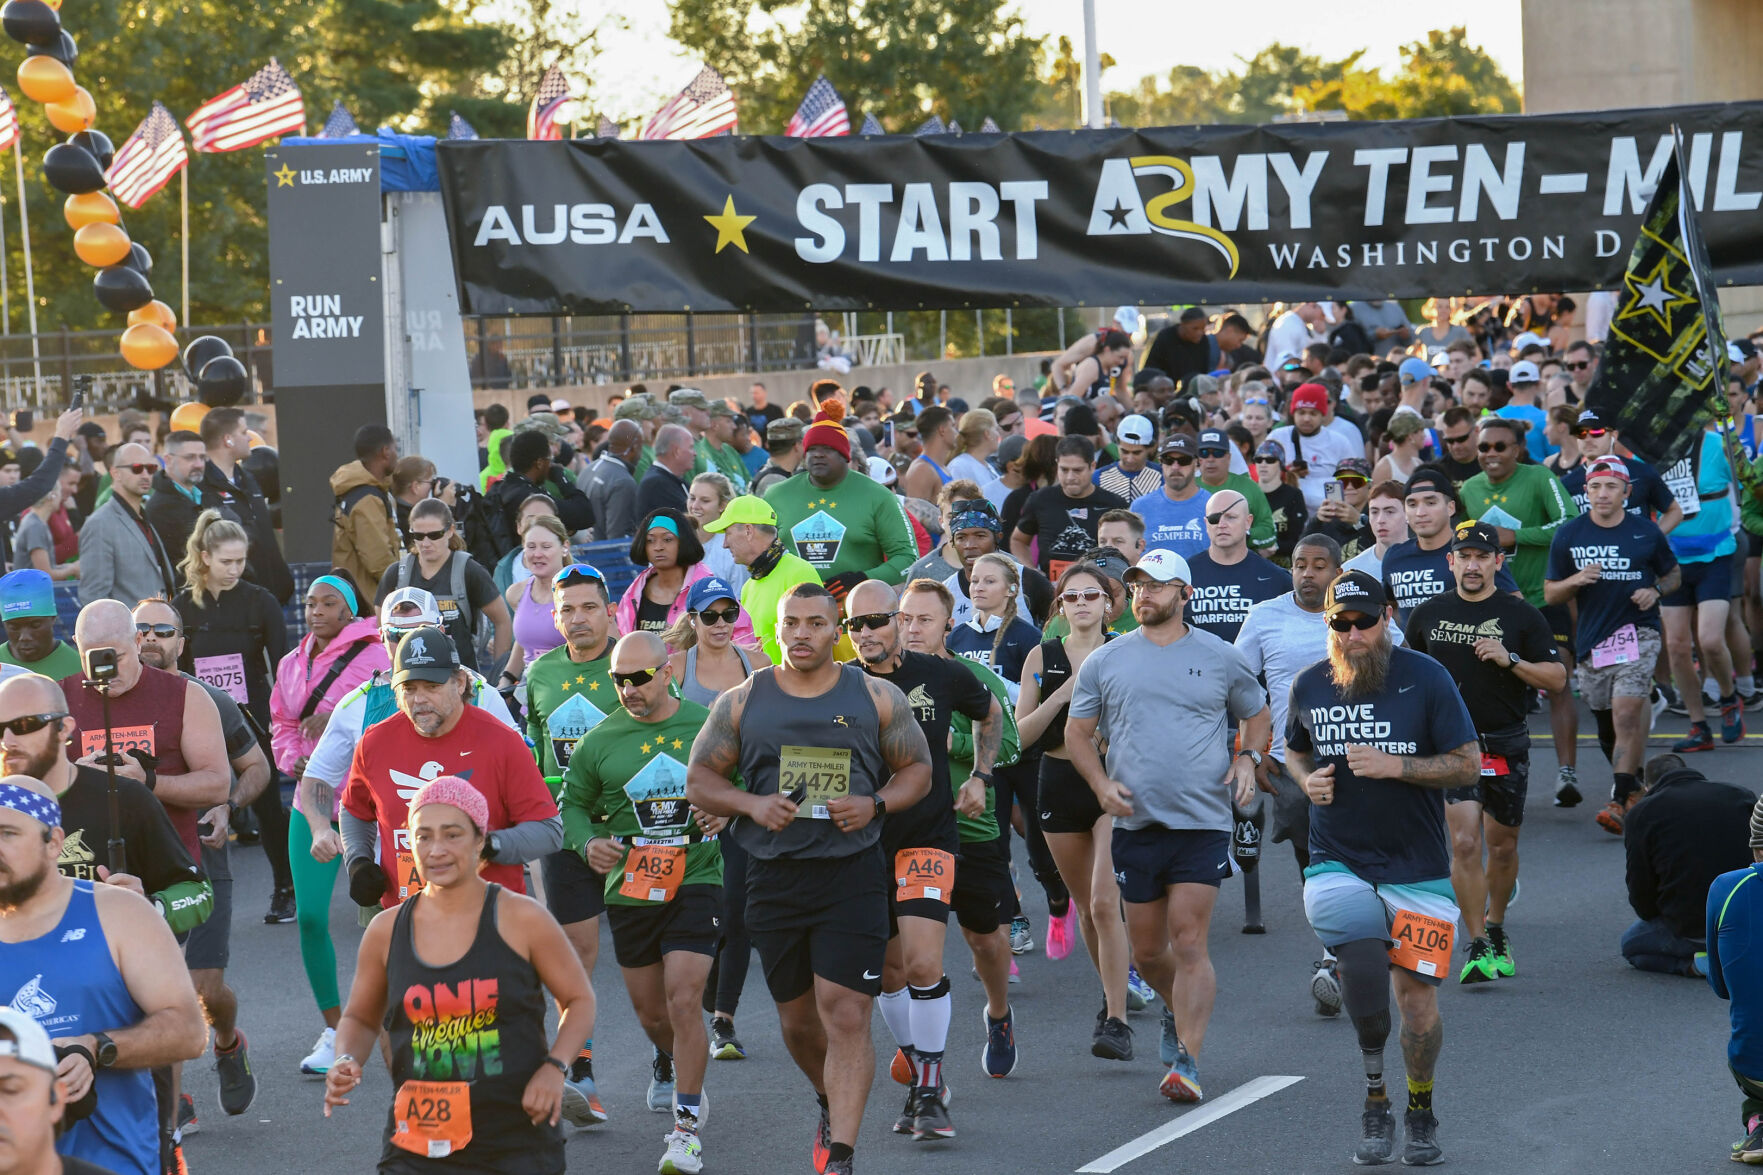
x,y
100,665
24,420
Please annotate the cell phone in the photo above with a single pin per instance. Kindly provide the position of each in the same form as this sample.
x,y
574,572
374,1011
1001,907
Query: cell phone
x,y
888,434
24,420
1333,491
80,387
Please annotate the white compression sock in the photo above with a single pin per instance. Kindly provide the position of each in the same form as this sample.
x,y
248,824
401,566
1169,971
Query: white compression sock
x,y
897,1014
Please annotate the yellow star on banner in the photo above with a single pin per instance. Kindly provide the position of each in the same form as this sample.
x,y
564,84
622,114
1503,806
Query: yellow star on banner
x,y
730,226
285,177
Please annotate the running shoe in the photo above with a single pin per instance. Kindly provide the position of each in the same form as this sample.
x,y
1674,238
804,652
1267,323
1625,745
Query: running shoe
x,y
685,1154
281,907
1501,946
1138,993
1699,963
187,1123
661,1083
1749,1149
1422,1149
1753,699
1612,815
1378,1129
1567,788
723,1044
1182,1082
1481,966
1699,738
903,1124
1061,933
323,1055
1168,1040
1667,693
238,1087
998,1058
930,1119
901,1069
1325,988
1112,1040
1732,719
839,1166
581,1102
1015,974
1022,939
823,1137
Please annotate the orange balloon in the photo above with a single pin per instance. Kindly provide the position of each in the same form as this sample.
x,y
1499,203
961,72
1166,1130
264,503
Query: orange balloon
x,y
72,114
44,79
256,438
148,347
156,313
101,244
55,4
188,417
90,208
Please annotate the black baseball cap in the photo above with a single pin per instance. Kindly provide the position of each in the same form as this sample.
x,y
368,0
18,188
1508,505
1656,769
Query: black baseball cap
x,y
1214,439
1177,442
1476,536
425,654
1588,422
1354,591
1108,561
1431,480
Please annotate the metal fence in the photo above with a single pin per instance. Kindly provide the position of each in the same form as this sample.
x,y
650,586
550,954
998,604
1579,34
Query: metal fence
x,y
37,373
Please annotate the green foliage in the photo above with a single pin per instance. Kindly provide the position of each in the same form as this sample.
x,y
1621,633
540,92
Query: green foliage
x,y
900,60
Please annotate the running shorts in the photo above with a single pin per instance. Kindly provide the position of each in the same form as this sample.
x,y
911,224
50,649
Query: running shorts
x,y
1066,802
819,916
1343,907
938,891
984,891
573,892
1702,582
1633,679
1501,795
692,921
1147,861
208,947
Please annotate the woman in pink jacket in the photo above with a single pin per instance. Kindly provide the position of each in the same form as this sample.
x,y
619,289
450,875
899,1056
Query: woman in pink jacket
x,y
667,549
341,650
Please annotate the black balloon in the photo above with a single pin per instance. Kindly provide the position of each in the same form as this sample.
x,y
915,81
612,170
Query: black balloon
x,y
61,48
98,143
200,351
31,21
222,382
122,289
72,169
265,465
139,259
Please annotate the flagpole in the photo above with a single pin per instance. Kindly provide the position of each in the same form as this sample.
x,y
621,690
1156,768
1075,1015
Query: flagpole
x,y
184,234
30,284
5,292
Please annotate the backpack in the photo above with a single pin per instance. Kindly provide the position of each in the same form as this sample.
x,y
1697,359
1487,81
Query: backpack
x,y
478,521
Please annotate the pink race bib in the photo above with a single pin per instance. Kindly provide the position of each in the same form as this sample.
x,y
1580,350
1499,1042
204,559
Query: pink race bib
x,y
226,672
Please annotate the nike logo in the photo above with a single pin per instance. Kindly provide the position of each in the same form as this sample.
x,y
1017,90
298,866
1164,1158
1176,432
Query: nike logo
x,y
868,975
1404,689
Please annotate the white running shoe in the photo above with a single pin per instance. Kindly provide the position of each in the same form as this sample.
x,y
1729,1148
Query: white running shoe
x,y
685,1154
323,1055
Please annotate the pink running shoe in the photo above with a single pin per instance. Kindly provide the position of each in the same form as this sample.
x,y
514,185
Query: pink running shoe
x,y
1061,934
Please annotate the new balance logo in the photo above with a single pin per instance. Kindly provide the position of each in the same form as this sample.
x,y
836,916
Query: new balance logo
x,y
74,935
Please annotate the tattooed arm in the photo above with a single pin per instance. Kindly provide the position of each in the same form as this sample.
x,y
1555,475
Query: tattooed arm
x,y
1455,768
988,736
904,747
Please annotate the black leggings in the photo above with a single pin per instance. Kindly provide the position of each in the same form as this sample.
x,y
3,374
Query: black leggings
x,y
734,950
1018,785
272,818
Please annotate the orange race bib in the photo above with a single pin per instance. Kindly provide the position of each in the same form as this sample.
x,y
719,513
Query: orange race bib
x,y
924,873
407,880
432,1118
123,738
652,873
1423,943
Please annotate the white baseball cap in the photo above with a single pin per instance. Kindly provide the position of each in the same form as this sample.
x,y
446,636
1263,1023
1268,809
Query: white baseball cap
x,y
882,470
1127,319
29,1044
1162,565
1523,372
1527,339
424,600
1135,430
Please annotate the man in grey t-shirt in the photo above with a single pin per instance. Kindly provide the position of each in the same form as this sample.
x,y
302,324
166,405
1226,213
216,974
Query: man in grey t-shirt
x,y
1163,696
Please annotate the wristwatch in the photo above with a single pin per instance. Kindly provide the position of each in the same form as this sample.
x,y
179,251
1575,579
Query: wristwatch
x,y
105,1048
990,779
1512,659
560,1066
1254,755
881,807
492,846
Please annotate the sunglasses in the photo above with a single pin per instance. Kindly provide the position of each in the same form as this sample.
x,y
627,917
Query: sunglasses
x,y
1215,519
870,620
966,504
1213,452
1350,479
137,469
1342,623
1261,400
428,536
1576,366
1464,439
1493,446
577,571
1589,432
726,615
640,677
163,631
1176,459
29,723
1087,595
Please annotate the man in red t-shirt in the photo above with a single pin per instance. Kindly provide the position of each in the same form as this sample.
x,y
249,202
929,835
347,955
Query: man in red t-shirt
x,y
436,733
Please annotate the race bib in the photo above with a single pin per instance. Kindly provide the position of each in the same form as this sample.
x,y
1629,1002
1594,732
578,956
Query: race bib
x,y
1056,568
1680,479
226,672
652,873
432,1118
813,777
818,538
1495,765
123,738
1423,943
924,873
1621,647
407,881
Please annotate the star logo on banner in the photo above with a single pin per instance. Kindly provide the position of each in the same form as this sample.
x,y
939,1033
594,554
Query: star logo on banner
x,y
284,178
1654,296
730,226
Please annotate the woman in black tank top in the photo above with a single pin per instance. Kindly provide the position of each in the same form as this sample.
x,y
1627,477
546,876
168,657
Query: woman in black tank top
x,y
1078,833
457,976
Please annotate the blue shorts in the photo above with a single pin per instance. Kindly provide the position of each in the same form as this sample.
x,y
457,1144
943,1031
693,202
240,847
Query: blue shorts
x,y
1703,582
1147,861
1343,907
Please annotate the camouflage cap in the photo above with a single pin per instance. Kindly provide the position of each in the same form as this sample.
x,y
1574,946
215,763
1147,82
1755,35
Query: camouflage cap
x,y
688,398
548,423
637,407
784,430
721,408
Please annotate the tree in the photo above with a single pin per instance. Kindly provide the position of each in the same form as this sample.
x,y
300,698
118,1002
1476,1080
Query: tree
x,y
900,60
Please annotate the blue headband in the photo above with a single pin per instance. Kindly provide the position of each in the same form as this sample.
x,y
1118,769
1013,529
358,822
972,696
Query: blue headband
x,y
663,522
343,589
976,520
40,808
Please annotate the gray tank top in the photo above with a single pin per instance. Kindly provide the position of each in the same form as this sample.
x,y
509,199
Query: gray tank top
x,y
689,687
814,750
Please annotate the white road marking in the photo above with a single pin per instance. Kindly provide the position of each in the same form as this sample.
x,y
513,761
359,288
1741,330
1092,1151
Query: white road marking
x,y
1230,1103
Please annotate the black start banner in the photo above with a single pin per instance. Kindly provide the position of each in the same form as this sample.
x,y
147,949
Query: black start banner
x,y
1064,218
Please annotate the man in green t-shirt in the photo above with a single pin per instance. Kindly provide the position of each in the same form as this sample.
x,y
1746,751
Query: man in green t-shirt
x,y
625,811
849,527
27,606
1526,503
984,892
718,439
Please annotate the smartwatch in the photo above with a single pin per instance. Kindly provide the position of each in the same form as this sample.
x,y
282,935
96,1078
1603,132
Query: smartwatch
x,y
881,807
1254,755
492,846
105,1049
1512,659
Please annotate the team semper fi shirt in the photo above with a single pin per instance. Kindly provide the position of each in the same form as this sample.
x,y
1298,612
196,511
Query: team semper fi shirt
x,y
1384,830
392,762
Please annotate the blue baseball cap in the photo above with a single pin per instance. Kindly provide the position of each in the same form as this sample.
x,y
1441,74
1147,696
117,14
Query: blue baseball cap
x,y
26,593
707,591
1415,370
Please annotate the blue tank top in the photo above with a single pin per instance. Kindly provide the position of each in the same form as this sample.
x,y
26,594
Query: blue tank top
x,y
68,983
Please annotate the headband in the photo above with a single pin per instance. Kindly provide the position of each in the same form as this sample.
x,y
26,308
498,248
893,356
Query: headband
x,y
38,807
663,522
343,589
976,520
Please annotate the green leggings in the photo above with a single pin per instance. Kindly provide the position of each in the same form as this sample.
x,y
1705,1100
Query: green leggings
x,y
313,883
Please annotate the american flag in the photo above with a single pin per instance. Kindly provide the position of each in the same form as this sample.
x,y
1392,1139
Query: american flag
x,y
458,128
340,124
8,122
541,117
821,114
148,160
607,129
932,126
988,127
871,126
704,108
265,106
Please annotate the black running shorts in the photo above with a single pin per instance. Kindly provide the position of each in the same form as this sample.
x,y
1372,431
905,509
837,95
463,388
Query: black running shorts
x,y
1066,802
984,892
819,916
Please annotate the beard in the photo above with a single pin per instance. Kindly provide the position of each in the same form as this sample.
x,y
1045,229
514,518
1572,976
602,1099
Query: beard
x,y
36,766
17,890
1149,614
1363,671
